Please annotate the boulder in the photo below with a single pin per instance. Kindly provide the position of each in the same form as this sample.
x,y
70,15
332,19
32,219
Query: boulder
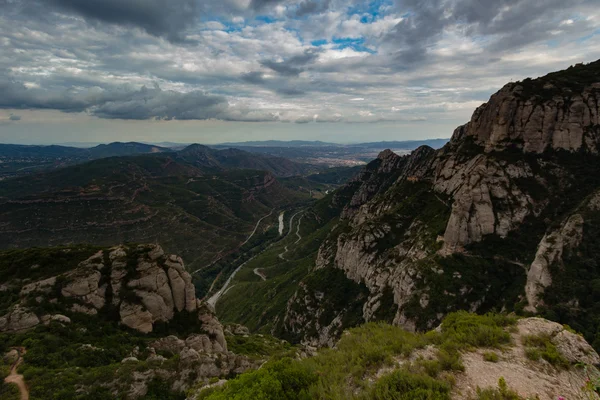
x,y
18,319
135,317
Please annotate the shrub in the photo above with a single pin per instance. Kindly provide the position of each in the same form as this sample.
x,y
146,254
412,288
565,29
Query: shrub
x,y
403,385
285,379
541,346
491,356
500,393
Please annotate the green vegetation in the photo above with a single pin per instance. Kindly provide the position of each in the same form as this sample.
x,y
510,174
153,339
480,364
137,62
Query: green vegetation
x,y
347,371
503,392
259,304
578,278
258,346
491,356
7,391
403,385
563,83
541,346
201,216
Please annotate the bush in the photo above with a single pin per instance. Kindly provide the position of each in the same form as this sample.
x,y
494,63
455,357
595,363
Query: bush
x,y
490,356
500,393
470,330
285,379
403,385
541,346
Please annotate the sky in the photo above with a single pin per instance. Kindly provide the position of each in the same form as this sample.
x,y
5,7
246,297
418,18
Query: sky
x,y
212,71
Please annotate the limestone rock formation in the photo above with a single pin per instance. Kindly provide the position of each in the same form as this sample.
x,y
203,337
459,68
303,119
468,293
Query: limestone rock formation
x,y
18,319
512,191
145,285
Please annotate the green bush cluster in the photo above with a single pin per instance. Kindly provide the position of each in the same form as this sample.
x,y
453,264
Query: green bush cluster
x,y
541,346
491,356
347,371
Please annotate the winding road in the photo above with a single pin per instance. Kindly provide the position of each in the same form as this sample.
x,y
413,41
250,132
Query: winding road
x,y
16,378
260,274
245,241
281,255
215,297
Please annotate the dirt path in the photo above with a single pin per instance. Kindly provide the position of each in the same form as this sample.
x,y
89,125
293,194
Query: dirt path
x,y
16,378
262,275
281,223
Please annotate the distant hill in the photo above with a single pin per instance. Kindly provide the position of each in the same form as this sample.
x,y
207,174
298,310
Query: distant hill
x,y
276,143
405,145
100,151
205,157
124,149
21,160
18,150
199,213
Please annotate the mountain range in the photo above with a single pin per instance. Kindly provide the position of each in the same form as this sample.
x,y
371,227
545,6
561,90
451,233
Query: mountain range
x,y
463,271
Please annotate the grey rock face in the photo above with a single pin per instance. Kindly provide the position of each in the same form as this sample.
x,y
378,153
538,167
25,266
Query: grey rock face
x,y
19,319
493,179
550,251
157,287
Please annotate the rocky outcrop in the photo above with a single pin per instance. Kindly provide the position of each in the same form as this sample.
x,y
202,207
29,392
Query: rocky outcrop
x,y
485,198
18,319
142,283
537,118
550,251
513,167
532,379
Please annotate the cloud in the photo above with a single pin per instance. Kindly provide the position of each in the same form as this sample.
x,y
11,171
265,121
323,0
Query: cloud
x,y
157,17
307,7
262,4
301,61
504,25
254,77
294,65
145,103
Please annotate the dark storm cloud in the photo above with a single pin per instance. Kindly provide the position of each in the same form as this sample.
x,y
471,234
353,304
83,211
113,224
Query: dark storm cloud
x,y
157,17
291,92
307,7
17,95
255,77
294,65
262,4
145,103
166,18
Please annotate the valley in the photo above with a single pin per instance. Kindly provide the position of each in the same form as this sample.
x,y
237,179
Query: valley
x,y
458,272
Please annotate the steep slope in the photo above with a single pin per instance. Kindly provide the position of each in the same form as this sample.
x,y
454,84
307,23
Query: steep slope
x,y
467,357
503,217
483,222
120,322
198,214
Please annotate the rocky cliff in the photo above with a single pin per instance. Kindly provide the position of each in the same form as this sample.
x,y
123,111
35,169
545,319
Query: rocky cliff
x,y
485,222
136,289
143,284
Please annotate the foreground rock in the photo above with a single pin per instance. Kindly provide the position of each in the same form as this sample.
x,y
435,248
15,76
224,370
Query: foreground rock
x,y
532,379
141,288
144,284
